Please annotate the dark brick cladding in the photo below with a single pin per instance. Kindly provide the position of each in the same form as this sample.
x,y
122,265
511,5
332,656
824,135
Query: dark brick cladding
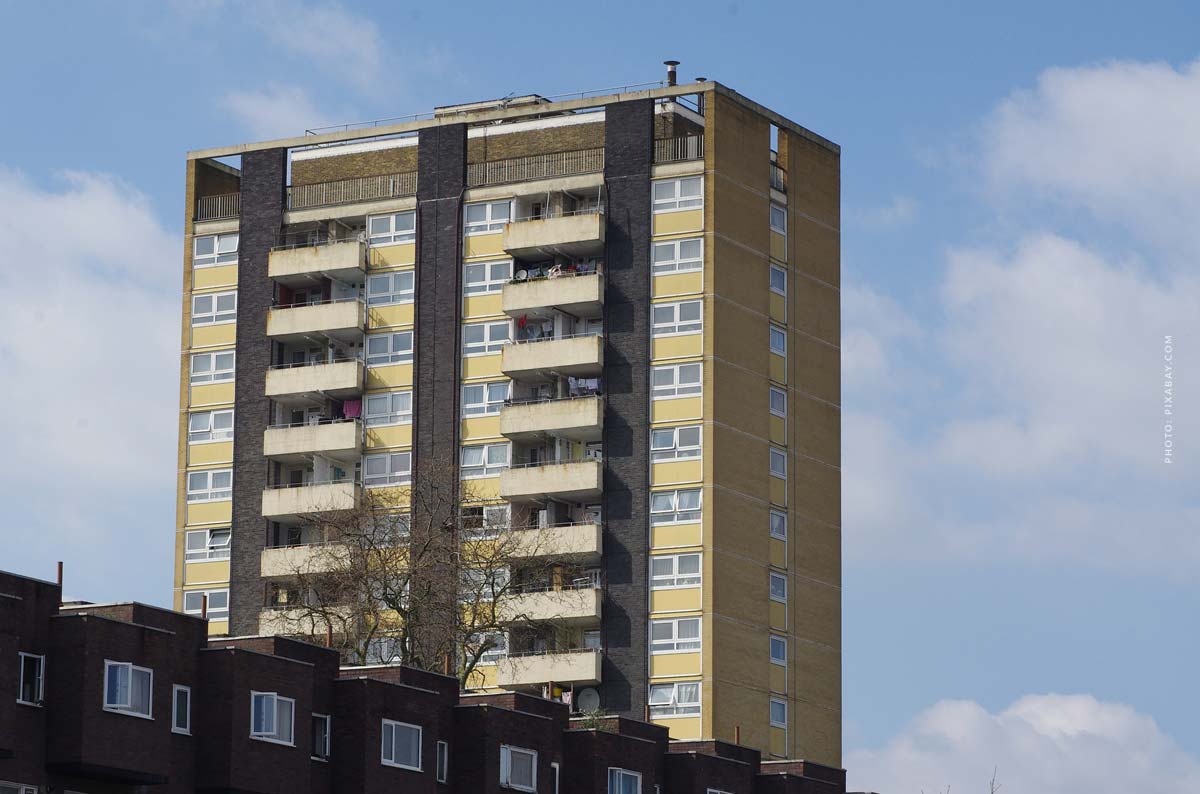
x,y
628,156
264,182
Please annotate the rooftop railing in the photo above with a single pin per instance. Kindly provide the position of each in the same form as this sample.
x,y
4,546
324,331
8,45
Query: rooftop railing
x,y
215,208
684,147
349,191
535,166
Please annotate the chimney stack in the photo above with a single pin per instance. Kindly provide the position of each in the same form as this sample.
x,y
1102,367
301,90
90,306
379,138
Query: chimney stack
x,y
671,71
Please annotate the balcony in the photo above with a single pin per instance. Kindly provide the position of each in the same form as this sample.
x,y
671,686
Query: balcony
x,y
291,560
576,418
572,481
296,621
289,503
341,319
580,295
575,604
572,541
339,439
577,234
580,356
580,667
342,260
337,379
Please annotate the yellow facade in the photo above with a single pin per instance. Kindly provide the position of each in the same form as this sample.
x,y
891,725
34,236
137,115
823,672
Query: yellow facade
x,y
672,285
209,512
223,335
488,366
210,454
208,278
685,346
395,314
676,472
392,256
480,427
392,376
210,394
668,223
677,410
672,536
389,436
484,245
675,665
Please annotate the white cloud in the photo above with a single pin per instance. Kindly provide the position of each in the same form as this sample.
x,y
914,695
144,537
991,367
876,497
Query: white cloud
x,y
278,111
325,33
900,211
1051,744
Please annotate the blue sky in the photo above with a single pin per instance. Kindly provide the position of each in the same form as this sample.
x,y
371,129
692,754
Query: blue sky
x,y
1020,184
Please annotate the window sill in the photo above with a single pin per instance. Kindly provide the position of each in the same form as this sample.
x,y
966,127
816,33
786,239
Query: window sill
x,y
323,760
394,765
269,740
30,704
180,732
658,398
127,713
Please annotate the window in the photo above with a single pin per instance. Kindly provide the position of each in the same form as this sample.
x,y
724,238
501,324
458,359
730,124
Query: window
x,y
778,713
496,644
484,399
518,768
622,781
272,717
397,227
488,216
210,486
778,650
674,570
678,635
181,709
383,349
778,219
482,338
675,443
128,689
484,521
778,524
673,319
388,469
398,287
17,788
218,603
483,277
393,408
215,308
215,249
201,545
778,463
778,402
205,426
32,683
681,699
484,460
678,194
675,380
675,507
778,587
778,340
554,770
443,762
678,256
212,367
778,280
320,736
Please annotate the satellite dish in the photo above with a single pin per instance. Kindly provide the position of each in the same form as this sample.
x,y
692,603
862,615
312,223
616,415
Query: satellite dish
x,y
587,700
521,275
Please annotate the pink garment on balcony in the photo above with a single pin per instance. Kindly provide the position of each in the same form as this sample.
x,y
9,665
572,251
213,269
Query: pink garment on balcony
x,y
352,409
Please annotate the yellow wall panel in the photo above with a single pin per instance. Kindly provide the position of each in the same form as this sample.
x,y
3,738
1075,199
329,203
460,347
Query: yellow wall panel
x,y
481,488
778,678
778,247
778,430
779,616
778,491
674,535
480,306
680,471
483,245
209,277
779,742
209,512
397,255
207,454
674,664
676,410
671,284
223,335
391,376
390,315
481,427
778,368
204,573
678,222
777,553
211,393
681,600
677,346
216,627
483,677
389,436
778,308
481,367
681,727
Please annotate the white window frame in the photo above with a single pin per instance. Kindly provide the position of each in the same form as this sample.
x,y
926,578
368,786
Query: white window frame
x,y
677,202
491,282
776,519
506,752
677,262
660,454
777,641
218,551
210,436
126,706
209,493
676,643
776,270
490,224
773,578
215,316
214,613
273,734
556,770
40,679
620,773
771,713
385,750
771,395
322,754
676,326
442,765
777,463
395,413
774,214
396,352
391,235
486,468
661,517
21,788
218,257
490,406
489,346
777,340
186,728
212,374
676,580
675,390
395,292
672,707
402,475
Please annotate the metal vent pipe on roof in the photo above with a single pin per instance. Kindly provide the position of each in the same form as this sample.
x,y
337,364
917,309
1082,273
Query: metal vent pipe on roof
x,y
671,71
